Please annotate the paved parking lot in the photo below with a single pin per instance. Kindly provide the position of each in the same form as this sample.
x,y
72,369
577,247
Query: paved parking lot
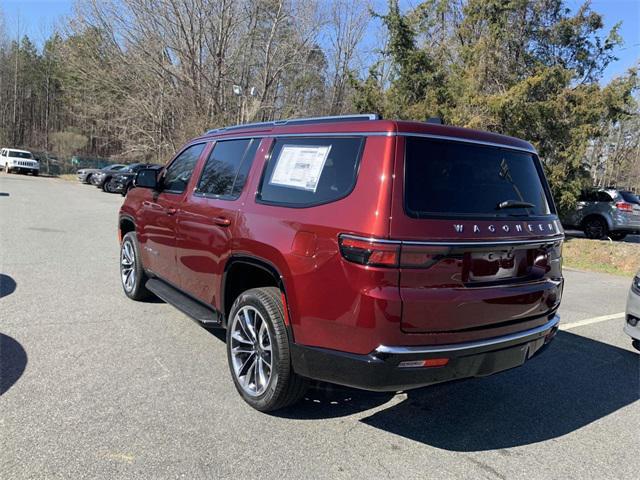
x,y
96,386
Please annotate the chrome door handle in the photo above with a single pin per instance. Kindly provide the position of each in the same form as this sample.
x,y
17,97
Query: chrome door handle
x,y
222,221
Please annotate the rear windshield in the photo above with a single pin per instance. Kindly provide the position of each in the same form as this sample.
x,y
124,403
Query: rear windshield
x,y
630,197
445,178
14,154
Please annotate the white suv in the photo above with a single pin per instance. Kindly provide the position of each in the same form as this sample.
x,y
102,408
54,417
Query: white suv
x,y
22,161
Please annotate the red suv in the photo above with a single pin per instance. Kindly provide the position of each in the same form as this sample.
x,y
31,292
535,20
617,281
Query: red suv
x,y
383,255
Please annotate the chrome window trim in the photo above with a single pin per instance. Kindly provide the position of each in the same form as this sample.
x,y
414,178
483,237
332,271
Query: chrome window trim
x,y
478,243
457,347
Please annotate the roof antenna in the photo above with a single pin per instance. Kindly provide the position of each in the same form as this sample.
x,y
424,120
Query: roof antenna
x,y
435,120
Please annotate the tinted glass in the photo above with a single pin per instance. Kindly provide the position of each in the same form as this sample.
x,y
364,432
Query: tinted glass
x,y
310,171
630,197
243,172
225,172
14,154
177,174
450,178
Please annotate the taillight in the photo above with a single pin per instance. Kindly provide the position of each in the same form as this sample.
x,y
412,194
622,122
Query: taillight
x,y
624,206
413,256
379,253
370,252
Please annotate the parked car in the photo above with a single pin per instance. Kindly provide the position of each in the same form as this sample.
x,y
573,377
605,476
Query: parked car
x,y
104,175
382,255
122,181
85,174
20,161
603,213
632,325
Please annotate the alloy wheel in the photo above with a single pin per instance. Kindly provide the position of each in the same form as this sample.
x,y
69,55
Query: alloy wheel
x,y
128,266
251,351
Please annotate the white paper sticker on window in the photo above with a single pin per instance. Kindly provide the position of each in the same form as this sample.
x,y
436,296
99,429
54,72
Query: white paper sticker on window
x,y
300,166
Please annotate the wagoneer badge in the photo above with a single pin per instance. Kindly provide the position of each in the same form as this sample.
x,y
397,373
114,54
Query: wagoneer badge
x,y
524,227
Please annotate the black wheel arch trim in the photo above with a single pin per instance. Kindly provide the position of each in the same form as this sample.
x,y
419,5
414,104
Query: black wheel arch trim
x,y
265,265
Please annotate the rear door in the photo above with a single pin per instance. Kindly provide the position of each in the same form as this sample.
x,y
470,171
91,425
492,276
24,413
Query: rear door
x,y
207,219
158,215
481,241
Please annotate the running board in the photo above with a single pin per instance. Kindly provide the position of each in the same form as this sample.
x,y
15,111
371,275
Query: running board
x,y
196,310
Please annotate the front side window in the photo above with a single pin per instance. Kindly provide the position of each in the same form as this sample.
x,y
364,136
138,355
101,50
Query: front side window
x,y
303,172
177,175
226,170
448,178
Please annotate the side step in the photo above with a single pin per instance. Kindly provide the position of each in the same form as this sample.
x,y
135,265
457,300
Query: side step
x,y
196,310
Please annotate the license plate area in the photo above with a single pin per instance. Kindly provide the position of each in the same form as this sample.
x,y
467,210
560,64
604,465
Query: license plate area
x,y
496,266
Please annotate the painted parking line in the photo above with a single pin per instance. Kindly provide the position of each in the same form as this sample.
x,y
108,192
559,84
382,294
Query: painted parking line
x,y
590,321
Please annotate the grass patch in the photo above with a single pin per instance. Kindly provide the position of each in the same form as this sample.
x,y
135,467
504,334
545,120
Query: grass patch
x,y
617,258
69,177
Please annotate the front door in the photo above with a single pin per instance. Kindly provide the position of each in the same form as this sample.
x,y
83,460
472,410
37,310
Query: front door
x,y
159,213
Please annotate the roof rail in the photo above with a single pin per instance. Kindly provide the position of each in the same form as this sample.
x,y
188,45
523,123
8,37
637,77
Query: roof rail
x,y
297,121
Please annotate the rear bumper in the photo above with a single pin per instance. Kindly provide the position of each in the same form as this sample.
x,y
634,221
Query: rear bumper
x,y
380,370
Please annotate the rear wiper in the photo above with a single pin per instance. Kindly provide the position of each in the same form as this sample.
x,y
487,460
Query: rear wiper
x,y
514,204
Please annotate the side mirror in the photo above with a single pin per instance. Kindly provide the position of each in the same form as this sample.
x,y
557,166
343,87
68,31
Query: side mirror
x,y
147,178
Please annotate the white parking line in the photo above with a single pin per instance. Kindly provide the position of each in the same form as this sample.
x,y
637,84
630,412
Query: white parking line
x,y
589,321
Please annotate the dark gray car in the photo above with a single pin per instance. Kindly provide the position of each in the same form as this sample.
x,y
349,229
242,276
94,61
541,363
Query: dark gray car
x,y
605,213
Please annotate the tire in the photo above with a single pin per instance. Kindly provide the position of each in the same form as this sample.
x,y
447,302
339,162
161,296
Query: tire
x,y
132,274
262,308
106,186
87,179
35,173
636,344
125,190
617,236
595,228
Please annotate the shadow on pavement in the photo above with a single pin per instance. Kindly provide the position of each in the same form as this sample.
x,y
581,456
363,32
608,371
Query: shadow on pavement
x,y
4,194
13,360
7,285
576,381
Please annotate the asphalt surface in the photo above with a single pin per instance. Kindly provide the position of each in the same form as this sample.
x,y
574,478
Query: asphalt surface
x,y
97,386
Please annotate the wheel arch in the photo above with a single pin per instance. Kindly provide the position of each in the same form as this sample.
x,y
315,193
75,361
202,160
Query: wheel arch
x,y
607,220
126,224
243,272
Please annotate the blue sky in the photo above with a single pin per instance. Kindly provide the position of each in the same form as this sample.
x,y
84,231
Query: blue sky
x,y
37,17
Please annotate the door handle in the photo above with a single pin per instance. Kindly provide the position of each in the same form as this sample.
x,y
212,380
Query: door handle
x,y
171,211
222,221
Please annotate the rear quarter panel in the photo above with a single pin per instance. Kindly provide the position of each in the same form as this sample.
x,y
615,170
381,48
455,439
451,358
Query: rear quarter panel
x,y
324,293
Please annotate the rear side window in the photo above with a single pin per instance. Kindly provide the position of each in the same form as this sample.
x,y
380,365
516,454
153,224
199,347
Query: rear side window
x,y
226,170
303,172
445,178
177,174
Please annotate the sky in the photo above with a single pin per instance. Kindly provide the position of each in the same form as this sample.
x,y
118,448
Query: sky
x,y
36,19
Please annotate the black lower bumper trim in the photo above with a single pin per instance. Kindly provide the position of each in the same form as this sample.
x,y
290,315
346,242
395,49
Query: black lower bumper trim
x,y
382,373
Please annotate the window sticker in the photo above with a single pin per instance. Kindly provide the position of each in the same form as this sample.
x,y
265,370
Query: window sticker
x,y
300,166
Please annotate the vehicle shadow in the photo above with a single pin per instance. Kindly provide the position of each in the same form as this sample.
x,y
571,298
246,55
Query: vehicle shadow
x,y
7,285
13,361
575,382
4,194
